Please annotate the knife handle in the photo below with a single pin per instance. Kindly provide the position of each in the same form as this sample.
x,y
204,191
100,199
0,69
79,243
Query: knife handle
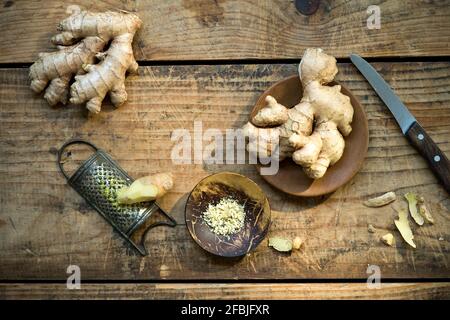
x,y
437,160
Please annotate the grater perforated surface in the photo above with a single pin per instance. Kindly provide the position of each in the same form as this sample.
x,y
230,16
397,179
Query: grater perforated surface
x,y
99,182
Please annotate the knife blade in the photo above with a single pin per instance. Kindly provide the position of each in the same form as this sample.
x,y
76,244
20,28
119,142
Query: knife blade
x,y
417,136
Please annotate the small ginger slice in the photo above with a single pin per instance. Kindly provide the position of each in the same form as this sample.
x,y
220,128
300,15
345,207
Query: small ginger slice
x,y
412,204
382,200
388,239
297,243
423,210
371,228
146,189
402,225
280,244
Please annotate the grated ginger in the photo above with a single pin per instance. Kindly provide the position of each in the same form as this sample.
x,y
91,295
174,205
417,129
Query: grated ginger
x,y
226,217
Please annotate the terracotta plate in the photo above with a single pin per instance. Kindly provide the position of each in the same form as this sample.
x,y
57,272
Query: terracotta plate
x,y
290,177
221,185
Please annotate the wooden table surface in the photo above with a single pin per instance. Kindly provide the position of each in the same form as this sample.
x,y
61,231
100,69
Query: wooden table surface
x,y
205,60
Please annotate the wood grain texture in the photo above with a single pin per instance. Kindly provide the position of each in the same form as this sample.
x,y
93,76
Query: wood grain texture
x,y
221,291
233,29
45,226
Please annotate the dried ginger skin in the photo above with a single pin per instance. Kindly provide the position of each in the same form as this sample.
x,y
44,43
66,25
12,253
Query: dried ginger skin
x,y
371,228
412,205
423,210
92,82
382,200
313,133
404,228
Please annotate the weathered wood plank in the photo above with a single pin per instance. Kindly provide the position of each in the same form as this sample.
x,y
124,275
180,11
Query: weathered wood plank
x,y
220,291
45,226
233,29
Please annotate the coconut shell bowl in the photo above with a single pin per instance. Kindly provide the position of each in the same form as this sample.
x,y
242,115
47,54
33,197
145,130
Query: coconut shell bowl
x,y
211,190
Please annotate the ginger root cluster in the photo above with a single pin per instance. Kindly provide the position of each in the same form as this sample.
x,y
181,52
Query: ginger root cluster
x,y
312,132
83,37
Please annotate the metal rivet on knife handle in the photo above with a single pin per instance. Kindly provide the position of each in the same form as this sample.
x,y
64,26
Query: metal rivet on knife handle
x,y
437,159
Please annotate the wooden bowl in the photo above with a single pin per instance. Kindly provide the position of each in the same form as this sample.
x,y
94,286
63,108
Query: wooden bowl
x,y
290,177
221,185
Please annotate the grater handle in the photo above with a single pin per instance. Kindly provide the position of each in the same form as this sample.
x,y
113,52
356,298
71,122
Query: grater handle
x,y
171,223
65,145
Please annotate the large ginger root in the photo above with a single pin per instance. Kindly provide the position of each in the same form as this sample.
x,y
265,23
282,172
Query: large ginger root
x,y
81,41
312,131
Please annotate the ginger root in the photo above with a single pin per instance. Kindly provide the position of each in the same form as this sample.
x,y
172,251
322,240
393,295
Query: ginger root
x,y
311,133
81,41
146,189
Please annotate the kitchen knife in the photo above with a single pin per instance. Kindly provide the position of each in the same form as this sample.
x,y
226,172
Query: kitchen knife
x,y
418,137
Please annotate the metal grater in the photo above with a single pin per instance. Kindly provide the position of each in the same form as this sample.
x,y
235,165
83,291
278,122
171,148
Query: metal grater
x,y
97,180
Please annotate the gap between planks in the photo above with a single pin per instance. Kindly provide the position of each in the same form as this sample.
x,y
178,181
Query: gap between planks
x,y
285,291
219,62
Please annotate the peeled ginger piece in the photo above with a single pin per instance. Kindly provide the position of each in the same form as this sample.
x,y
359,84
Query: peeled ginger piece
x,y
147,188
388,239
